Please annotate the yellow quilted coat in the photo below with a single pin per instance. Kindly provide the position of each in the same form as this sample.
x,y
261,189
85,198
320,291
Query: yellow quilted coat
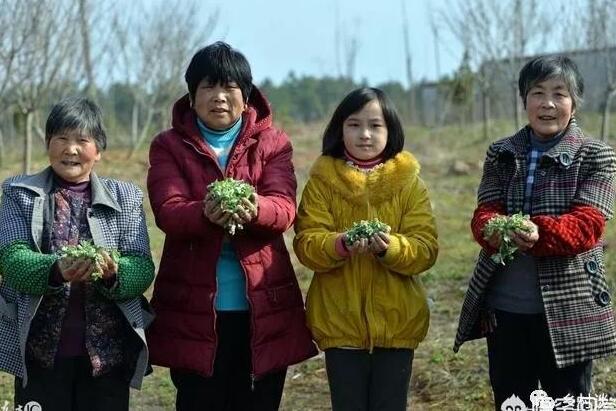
x,y
364,301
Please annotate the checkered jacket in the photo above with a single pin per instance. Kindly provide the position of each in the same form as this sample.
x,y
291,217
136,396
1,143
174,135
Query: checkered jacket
x,y
116,221
578,171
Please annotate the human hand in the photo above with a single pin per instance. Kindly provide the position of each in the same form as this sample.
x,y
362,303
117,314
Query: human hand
x,y
76,269
526,238
379,243
360,246
495,240
247,210
213,212
108,267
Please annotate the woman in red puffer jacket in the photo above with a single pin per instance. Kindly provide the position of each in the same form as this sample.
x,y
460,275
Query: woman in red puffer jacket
x,y
229,312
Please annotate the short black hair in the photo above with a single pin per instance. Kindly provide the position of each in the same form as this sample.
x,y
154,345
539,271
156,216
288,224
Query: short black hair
x,y
333,143
544,68
219,63
76,114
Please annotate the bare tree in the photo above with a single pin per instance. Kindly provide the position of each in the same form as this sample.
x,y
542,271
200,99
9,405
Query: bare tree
x,y
346,45
41,49
17,27
337,36
408,61
98,51
434,27
84,26
349,47
11,40
497,35
600,21
154,60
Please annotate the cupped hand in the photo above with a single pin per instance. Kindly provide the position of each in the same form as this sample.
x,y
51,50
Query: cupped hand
x,y
379,243
495,240
360,246
76,269
525,239
247,210
213,212
108,267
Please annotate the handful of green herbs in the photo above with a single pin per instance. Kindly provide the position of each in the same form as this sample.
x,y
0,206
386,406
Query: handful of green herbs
x,y
505,226
230,193
87,250
365,229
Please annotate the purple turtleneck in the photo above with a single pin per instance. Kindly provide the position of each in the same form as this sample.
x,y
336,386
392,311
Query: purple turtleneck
x,y
72,337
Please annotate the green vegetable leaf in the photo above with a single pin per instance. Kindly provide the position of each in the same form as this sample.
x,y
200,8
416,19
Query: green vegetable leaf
x,y
505,226
365,229
230,193
89,251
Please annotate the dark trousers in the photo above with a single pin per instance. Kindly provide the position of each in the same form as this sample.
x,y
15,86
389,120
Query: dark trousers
x,y
231,387
360,381
69,386
521,357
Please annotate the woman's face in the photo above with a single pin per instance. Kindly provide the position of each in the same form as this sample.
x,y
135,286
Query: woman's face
x,y
365,132
219,106
549,107
72,155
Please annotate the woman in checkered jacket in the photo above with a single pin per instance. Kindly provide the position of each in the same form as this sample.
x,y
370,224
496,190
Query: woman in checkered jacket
x,y
546,313
72,329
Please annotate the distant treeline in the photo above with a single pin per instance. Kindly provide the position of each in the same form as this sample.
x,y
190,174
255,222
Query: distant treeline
x,y
308,98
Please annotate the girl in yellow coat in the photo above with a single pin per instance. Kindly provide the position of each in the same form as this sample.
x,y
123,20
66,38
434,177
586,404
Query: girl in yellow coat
x,y
366,306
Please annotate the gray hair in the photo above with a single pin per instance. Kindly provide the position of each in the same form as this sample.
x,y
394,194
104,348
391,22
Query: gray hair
x,y
548,67
77,114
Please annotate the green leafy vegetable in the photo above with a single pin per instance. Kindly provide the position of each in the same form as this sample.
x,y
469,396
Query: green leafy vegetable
x,y
505,226
365,229
230,193
87,250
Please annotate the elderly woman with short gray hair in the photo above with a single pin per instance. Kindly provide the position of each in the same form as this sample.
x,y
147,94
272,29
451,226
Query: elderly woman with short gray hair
x,y
547,313
73,340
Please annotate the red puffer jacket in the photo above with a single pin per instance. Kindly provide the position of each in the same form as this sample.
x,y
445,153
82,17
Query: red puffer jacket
x,y
183,335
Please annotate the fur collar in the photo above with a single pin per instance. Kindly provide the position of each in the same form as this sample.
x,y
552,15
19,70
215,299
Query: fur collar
x,y
356,186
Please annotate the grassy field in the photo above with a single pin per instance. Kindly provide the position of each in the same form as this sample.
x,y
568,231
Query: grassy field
x,y
441,379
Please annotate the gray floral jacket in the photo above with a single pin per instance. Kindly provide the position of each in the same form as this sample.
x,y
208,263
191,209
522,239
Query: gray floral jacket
x,y
116,220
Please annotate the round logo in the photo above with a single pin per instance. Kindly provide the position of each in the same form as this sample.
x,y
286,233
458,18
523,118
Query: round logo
x,y
33,406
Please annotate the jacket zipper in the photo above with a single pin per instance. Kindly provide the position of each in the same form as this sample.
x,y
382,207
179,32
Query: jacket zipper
x,y
253,377
214,157
209,155
223,173
215,313
211,365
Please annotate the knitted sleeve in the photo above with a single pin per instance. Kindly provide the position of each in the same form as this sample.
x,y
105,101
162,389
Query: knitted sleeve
x,y
483,213
568,234
135,273
26,270
583,225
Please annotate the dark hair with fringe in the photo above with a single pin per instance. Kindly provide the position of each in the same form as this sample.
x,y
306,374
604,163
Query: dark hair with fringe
x,y
544,68
219,63
76,114
333,143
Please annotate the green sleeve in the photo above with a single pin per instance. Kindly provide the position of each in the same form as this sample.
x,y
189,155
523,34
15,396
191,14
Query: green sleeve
x,y
135,274
26,270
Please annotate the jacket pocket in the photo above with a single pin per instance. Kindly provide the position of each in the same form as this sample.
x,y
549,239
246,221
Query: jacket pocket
x,y
147,312
8,311
9,332
285,296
